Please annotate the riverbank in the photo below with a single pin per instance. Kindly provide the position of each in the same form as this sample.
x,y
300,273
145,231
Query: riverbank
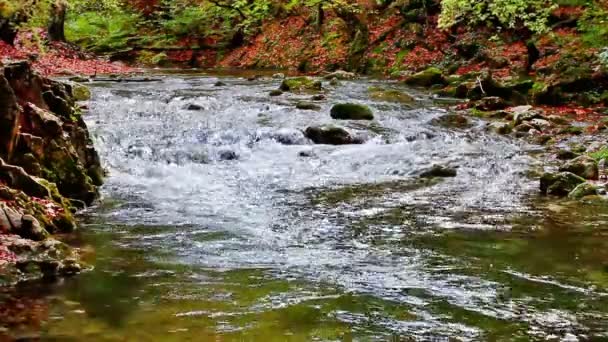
x,y
49,169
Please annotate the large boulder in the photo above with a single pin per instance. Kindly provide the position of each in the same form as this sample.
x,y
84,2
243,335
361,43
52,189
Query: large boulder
x,y
582,166
330,135
351,111
299,84
559,184
426,78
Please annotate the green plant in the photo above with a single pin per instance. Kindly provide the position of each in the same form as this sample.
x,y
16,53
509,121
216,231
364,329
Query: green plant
x,y
531,14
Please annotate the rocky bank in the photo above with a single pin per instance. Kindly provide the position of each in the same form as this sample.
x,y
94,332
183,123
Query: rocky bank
x,y
48,170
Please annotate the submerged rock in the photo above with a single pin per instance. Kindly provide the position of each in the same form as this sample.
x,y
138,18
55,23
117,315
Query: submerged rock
x,y
559,184
439,171
276,92
330,135
351,111
452,121
582,166
194,107
307,106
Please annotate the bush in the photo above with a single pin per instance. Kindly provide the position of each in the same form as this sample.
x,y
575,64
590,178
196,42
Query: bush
x,y
102,33
511,14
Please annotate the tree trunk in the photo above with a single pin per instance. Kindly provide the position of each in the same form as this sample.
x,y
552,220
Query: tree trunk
x,y
56,28
8,32
320,17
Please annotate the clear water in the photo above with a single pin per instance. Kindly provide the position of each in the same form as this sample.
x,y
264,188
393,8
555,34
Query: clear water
x,y
212,229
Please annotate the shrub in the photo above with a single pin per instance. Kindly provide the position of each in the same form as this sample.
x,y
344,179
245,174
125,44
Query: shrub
x,y
511,14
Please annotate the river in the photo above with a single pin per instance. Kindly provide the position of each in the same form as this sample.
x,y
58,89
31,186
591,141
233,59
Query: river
x,y
220,221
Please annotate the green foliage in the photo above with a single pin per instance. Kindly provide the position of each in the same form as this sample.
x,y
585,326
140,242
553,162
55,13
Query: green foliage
x,y
103,33
508,14
594,26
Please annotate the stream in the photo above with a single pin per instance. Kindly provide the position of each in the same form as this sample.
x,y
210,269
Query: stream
x,y
220,221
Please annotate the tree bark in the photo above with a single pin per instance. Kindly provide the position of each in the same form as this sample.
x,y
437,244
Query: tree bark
x,y
8,32
56,28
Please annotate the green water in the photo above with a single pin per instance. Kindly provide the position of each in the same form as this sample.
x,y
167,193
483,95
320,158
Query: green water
x,y
140,294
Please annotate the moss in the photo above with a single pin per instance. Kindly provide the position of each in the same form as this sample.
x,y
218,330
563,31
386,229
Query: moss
x,y
298,84
351,111
599,155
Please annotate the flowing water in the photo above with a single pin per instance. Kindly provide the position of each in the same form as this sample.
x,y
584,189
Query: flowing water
x,y
221,222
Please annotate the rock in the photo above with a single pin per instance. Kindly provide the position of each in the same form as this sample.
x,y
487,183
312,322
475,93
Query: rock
x,y
582,190
58,105
70,267
9,119
284,136
566,155
558,120
582,166
559,184
17,178
299,84
351,111
524,128
41,122
524,113
276,92
491,103
452,121
228,155
334,82
426,78
194,107
439,171
500,128
80,92
390,95
330,135
10,219
318,97
541,124
307,106
306,154
80,79
341,75
279,76
219,84
31,229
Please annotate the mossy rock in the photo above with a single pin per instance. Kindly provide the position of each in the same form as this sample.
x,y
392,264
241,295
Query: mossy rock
x,y
80,92
583,190
298,84
452,121
583,166
390,95
426,78
303,105
351,111
559,184
330,135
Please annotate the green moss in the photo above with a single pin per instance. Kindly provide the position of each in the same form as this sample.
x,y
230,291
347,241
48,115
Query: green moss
x,y
599,155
